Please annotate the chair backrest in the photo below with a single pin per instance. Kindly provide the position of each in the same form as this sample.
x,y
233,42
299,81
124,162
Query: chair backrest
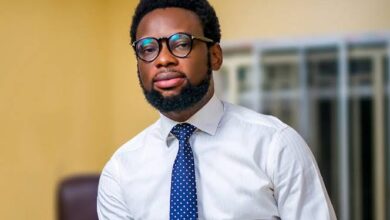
x,y
76,198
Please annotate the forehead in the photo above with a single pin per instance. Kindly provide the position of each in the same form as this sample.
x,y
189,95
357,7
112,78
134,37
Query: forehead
x,y
164,22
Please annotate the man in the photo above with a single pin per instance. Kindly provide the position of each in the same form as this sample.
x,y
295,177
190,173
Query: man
x,y
204,158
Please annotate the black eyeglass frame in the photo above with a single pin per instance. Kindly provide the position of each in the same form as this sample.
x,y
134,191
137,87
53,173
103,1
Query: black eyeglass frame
x,y
159,41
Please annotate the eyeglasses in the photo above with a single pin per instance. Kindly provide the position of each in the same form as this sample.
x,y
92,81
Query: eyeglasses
x,y
179,44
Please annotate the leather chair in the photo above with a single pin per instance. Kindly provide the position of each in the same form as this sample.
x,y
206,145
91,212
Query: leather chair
x,y
76,198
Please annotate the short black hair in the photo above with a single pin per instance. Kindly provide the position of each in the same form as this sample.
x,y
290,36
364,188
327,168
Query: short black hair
x,y
202,8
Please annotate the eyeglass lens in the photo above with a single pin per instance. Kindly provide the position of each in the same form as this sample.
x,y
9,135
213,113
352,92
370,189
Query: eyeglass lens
x,y
149,48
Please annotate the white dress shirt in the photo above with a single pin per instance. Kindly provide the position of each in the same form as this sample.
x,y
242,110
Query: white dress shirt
x,y
247,165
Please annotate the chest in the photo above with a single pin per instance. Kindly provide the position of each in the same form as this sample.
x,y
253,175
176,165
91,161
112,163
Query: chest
x,y
231,183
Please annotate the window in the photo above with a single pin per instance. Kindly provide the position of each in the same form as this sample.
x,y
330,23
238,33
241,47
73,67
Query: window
x,y
325,88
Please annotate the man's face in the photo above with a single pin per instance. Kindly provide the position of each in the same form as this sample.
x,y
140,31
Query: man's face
x,y
171,83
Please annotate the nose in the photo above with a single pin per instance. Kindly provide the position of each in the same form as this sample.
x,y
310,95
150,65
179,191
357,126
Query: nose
x,y
165,58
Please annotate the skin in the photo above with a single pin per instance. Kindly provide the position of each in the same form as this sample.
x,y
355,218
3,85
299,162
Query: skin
x,y
168,74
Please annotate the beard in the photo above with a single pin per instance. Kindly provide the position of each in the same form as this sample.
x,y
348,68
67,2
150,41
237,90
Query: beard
x,y
188,96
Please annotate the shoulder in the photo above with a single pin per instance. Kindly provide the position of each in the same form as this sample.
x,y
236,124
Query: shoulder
x,y
127,157
269,130
275,142
137,143
246,117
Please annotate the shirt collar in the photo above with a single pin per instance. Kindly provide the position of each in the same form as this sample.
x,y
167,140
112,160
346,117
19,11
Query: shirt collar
x,y
206,119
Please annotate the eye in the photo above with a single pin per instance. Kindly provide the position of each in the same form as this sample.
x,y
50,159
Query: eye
x,y
147,46
180,44
148,49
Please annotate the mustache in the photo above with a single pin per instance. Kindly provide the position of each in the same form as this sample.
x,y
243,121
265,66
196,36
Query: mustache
x,y
168,73
169,70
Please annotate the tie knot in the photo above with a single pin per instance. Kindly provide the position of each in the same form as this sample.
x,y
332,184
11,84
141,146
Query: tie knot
x,y
183,131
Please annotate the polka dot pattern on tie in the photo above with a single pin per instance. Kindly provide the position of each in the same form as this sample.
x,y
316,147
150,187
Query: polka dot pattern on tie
x,y
183,203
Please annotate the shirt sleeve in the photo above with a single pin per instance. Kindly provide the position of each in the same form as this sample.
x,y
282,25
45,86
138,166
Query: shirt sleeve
x,y
110,202
298,186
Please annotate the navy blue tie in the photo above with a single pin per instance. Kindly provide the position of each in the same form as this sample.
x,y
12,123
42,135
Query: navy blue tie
x,y
183,203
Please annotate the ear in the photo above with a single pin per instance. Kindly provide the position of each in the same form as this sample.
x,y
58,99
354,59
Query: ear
x,y
216,56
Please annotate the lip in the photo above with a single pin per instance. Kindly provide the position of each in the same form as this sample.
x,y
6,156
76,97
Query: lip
x,y
168,79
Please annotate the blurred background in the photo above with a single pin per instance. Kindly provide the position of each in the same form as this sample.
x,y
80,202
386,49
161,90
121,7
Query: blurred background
x,y
70,97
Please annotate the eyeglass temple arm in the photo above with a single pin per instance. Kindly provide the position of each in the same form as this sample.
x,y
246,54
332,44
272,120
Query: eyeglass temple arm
x,y
205,39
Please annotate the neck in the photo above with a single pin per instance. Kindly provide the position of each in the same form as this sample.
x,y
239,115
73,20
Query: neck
x,y
184,115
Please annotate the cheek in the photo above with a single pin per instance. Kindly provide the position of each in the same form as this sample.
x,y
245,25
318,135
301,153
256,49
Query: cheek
x,y
197,69
145,78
